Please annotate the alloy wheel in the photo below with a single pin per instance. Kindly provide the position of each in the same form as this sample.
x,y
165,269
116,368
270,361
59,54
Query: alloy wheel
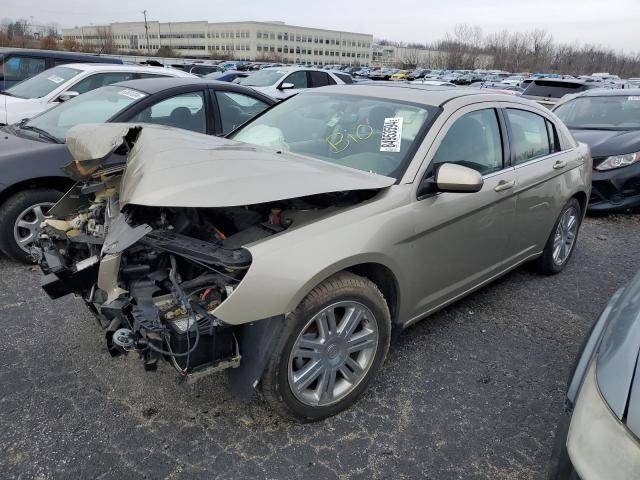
x,y
333,353
27,225
565,236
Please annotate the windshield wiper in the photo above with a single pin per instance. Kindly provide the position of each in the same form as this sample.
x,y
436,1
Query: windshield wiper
x,y
7,93
40,131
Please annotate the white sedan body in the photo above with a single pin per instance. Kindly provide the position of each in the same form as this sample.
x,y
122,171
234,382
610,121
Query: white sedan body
x,y
56,82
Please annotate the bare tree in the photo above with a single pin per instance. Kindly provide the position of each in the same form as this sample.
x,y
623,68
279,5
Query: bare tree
x,y
70,45
49,43
105,43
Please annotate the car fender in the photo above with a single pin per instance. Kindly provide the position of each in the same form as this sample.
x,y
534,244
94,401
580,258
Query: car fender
x,y
286,267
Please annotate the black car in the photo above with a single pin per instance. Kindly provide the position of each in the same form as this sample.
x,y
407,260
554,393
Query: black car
x,y
609,122
202,69
599,434
32,153
20,64
549,91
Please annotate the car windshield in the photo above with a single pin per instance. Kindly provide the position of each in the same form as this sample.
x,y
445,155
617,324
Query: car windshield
x,y
263,78
619,112
370,134
96,106
44,83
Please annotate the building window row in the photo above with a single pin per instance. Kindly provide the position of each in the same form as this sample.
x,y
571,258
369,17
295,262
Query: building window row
x,y
290,37
230,47
243,34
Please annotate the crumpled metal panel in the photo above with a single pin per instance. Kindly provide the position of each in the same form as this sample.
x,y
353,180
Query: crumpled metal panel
x,y
177,168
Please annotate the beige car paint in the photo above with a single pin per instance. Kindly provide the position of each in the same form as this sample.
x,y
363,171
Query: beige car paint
x,y
436,249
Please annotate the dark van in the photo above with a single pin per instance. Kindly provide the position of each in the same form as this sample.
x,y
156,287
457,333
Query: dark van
x,y
19,64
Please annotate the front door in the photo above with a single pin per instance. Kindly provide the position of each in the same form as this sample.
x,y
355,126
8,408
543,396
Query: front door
x,y
461,238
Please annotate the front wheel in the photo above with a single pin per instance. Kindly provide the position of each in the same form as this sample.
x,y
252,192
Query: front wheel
x,y
331,347
20,219
562,240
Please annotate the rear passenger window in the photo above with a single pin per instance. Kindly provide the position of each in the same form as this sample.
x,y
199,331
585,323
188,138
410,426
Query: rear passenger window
x,y
473,141
319,79
529,135
554,142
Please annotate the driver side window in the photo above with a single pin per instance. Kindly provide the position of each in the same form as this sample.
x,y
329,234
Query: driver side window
x,y
299,79
473,141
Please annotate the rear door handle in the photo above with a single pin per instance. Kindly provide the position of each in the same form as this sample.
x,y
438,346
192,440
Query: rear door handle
x,y
504,185
560,164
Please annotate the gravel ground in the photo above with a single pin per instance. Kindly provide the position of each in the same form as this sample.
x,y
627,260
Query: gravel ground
x,y
474,392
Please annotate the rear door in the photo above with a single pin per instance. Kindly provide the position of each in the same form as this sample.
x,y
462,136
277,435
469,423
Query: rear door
x,y
539,164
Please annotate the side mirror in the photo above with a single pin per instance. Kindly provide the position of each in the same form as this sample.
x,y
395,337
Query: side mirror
x,y
66,96
451,177
454,178
286,86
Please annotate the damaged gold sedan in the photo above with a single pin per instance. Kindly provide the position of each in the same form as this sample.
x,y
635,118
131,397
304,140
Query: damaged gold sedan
x,y
289,252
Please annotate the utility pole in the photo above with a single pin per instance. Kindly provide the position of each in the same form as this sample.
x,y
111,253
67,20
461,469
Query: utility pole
x,y
146,29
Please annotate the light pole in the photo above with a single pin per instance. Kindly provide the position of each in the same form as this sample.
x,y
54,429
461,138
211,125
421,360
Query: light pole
x,y
146,30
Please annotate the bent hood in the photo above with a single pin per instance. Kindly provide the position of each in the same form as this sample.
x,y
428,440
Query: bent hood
x,y
169,167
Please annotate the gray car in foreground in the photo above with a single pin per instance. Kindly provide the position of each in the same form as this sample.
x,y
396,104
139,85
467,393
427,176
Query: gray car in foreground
x,y
290,251
599,435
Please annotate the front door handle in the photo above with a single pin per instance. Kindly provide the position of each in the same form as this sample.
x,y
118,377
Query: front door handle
x,y
560,164
504,185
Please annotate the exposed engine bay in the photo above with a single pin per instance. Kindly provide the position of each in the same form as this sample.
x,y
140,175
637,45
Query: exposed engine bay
x,y
155,275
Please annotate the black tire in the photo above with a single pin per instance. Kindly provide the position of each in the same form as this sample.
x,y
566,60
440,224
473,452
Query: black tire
x,y
9,212
342,286
545,263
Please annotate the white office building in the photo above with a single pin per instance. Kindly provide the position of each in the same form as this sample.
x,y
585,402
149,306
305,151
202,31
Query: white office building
x,y
274,41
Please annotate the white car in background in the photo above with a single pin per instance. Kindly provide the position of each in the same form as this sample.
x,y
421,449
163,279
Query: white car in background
x,y
282,82
58,84
514,80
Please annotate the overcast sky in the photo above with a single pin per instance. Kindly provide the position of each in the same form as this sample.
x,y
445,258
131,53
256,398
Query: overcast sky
x,y
612,23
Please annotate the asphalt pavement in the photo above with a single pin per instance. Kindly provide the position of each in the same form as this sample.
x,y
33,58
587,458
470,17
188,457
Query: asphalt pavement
x,y
473,392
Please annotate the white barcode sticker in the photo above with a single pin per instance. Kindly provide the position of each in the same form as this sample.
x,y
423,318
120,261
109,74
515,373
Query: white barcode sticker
x,y
55,79
131,93
391,135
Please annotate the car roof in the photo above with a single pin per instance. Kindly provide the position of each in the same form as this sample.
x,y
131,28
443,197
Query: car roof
x,y
98,67
562,81
611,92
59,54
295,69
408,92
154,85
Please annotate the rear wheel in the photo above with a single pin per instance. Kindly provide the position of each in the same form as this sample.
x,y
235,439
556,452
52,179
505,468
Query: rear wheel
x,y
562,240
20,219
332,345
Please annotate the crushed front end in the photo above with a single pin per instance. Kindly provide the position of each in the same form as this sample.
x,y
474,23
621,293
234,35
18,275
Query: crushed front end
x,y
152,276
